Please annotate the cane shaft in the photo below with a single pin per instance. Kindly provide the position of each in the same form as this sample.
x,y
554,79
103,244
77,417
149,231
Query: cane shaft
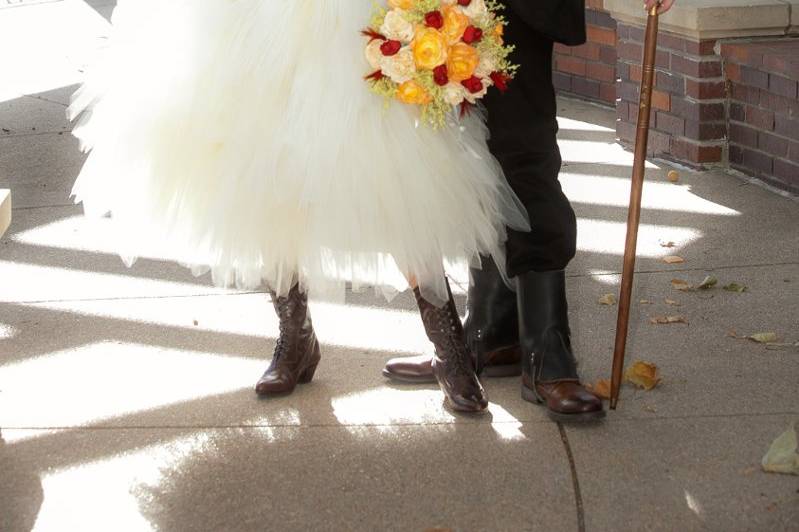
x,y
634,214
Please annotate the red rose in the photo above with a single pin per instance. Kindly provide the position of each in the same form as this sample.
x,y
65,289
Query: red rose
x,y
434,19
473,84
464,3
472,35
440,75
390,47
500,81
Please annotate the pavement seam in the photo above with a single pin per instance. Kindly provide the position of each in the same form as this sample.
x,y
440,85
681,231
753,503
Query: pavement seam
x,y
578,496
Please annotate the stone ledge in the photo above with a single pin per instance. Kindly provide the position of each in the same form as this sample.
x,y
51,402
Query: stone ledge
x,y
5,210
715,19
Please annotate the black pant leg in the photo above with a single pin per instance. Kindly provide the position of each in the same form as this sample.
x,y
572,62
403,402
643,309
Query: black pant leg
x,y
552,242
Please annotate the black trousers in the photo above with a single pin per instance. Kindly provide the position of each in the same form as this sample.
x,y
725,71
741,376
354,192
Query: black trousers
x,y
552,243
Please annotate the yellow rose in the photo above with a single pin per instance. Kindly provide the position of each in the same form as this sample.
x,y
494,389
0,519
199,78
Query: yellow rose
x,y
413,93
462,62
455,23
429,48
402,4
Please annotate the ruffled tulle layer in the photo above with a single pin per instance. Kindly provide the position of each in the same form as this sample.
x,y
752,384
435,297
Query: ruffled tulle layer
x,y
240,136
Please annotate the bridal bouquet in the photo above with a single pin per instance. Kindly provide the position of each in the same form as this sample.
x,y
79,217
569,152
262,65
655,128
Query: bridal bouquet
x,y
440,55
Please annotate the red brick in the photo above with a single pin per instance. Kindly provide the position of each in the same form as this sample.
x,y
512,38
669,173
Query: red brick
x,y
686,150
636,34
793,151
622,32
736,155
562,49
572,65
782,86
629,92
746,94
705,90
585,87
673,42
787,127
601,72
663,59
772,144
785,64
756,78
601,35
561,81
608,55
758,162
787,172
699,111
743,53
705,130
623,71
659,143
623,111
701,47
778,103
589,50
661,100
759,118
600,18
596,4
636,73
732,71
743,135
670,82
697,69
607,92
630,51
671,124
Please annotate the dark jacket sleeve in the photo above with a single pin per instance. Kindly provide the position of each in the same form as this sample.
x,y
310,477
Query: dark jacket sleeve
x,y
562,21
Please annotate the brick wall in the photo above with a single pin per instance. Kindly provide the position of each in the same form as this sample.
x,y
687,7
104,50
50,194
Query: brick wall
x,y
589,71
763,112
688,101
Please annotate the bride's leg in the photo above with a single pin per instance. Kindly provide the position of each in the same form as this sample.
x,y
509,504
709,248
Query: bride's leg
x,y
297,351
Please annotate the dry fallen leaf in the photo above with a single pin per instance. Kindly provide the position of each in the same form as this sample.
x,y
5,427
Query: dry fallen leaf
x,y
672,302
667,320
673,259
607,299
763,337
783,455
643,374
673,176
645,302
735,287
707,283
196,323
650,408
668,244
679,284
601,388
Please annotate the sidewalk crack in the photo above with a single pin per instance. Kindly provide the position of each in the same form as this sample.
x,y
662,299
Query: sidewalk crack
x,y
578,496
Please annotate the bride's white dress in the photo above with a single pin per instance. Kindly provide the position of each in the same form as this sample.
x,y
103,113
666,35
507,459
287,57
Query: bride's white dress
x,y
240,136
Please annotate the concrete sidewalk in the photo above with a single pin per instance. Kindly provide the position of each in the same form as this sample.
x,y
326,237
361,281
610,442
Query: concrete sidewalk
x,y
126,396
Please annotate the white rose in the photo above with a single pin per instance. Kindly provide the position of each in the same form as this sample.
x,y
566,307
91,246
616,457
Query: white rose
x,y
476,9
373,54
486,67
400,67
396,28
454,94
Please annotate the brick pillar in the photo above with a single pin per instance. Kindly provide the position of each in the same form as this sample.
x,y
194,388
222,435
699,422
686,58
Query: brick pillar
x,y
589,71
688,103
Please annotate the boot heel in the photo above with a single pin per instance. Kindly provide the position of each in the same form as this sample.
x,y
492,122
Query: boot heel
x,y
307,375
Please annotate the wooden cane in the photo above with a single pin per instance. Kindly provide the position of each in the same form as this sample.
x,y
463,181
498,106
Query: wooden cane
x,y
634,214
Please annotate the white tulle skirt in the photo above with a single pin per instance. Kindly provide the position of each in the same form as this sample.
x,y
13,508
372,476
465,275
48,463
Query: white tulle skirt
x,y
239,135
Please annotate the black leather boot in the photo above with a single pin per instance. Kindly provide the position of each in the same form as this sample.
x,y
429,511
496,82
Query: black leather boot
x,y
452,364
549,370
492,323
297,351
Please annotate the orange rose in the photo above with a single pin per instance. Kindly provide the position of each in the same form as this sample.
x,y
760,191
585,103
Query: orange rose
x,y
413,93
499,33
462,62
429,48
455,23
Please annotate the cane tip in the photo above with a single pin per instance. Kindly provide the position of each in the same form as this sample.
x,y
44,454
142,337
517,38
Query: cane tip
x,y
613,402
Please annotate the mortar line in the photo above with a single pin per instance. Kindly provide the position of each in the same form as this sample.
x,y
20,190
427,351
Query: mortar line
x,y
578,496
